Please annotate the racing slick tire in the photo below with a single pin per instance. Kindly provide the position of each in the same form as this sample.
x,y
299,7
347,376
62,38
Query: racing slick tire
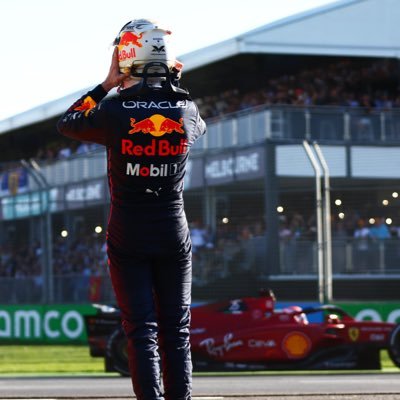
x,y
116,352
394,346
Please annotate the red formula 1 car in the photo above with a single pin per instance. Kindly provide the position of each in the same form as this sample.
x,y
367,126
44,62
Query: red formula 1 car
x,y
250,334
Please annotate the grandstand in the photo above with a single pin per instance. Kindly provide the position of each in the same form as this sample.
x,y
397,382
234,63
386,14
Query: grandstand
x,y
329,75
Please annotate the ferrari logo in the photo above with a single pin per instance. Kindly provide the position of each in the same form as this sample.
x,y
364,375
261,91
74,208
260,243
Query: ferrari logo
x,y
354,333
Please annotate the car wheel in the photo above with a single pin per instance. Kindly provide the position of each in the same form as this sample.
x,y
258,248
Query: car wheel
x,y
394,346
117,352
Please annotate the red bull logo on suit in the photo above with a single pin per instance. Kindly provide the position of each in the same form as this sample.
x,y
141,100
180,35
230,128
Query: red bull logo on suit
x,y
86,105
160,147
157,125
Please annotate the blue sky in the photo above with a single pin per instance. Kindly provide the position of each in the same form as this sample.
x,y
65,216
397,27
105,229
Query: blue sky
x,y
53,48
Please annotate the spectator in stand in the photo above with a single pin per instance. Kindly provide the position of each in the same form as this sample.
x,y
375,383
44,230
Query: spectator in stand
x,y
287,245
364,128
201,245
51,152
362,242
198,236
339,242
83,148
350,100
380,230
382,101
285,233
297,225
64,152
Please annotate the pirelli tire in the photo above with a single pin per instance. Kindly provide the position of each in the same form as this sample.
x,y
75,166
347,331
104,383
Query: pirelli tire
x,y
117,352
394,346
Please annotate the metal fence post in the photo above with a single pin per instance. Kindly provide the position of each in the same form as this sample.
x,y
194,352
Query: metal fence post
x,y
318,196
327,225
267,121
383,127
34,170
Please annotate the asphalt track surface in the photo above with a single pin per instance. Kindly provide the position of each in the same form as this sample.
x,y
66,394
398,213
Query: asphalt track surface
x,y
274,387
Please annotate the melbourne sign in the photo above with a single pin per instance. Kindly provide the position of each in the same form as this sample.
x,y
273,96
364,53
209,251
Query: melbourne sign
x,y
238,165
79,195
44,324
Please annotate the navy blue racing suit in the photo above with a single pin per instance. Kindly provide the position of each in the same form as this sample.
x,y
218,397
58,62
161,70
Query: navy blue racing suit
x,y
147,138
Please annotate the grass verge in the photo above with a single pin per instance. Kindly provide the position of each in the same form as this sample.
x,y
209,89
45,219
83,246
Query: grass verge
x,y
52,359
15,359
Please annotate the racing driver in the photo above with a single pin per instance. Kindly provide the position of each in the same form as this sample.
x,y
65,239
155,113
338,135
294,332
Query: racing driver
x,y
147,127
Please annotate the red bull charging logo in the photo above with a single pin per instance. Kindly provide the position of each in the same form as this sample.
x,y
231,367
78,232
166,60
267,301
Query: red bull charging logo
x,y
157,125
128,38
126,46
85,105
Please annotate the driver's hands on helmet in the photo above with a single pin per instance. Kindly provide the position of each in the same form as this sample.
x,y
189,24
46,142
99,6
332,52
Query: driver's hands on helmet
x,y
114,77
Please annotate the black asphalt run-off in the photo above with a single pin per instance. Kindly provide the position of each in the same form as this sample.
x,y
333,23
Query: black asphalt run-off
x,y
385,396
369,386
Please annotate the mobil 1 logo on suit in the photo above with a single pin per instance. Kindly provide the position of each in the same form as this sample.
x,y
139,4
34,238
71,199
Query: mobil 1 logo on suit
x,y
152,170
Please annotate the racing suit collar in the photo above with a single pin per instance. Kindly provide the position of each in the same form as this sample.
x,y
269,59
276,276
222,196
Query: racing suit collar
x,y
134,91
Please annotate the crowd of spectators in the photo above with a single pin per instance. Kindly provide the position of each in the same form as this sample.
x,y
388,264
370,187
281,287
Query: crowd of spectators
x,y
61,149
80,264
58,149
76,265
82,259
241,248
346,83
